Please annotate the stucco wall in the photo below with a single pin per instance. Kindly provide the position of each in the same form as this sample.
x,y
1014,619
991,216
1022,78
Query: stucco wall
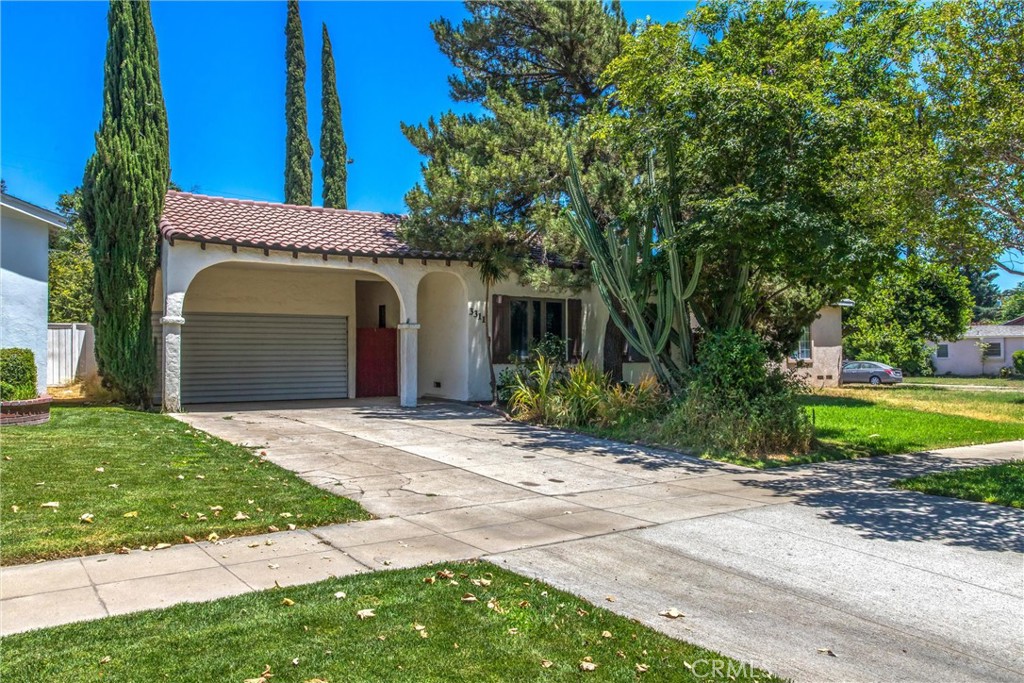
x,y
826,350
443,337
23,283
965,356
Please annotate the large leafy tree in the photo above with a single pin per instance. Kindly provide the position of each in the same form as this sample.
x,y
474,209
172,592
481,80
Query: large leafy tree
x,y
123,198
973,71
298,151
493,183
759,117
71,275
1013,304
902,308
333,151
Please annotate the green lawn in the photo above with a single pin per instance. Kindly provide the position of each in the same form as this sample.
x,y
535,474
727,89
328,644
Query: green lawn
x,y
421,632
1000,484
851,423
145,479
861,421
1015,383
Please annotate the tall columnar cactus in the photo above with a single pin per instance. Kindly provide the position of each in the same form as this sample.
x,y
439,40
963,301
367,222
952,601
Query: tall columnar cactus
x,y
625,262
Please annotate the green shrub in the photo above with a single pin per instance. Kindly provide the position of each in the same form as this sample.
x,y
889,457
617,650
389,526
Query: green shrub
x,y
739,403
17,375
1018,361
533,396
626,404
580,394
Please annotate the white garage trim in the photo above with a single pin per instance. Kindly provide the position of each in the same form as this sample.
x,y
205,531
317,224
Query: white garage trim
x,y
262,357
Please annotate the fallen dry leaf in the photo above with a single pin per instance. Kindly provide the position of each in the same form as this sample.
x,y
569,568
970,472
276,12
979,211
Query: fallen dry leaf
x,y
606,634
295,662
213,537
99,469
582,612
546,663
513,631
468,597
15,508
253,545
272,528
53,504
481,582
429,579
239,516
291,527
366,614
642,668
88,518
133,513
314,680
610,598
671,613
826,651
161,546
446,574
273,566
587,664
340,595
216,508
418,627
113,486
188,539
105,660
287,602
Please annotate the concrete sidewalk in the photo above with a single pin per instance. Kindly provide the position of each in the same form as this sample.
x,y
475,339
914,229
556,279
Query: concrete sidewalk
x,y
769,566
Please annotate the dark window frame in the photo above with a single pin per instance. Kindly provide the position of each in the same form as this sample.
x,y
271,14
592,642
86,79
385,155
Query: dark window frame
x,y
534,326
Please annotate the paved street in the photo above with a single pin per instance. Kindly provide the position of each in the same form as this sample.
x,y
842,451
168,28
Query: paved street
x,y
777,568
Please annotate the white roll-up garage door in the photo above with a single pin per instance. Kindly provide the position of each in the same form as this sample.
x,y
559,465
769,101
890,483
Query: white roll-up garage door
x,y
256,357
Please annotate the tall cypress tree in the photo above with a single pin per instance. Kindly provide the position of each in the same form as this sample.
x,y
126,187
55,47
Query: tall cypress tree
x,y
333,151
123,198
298,154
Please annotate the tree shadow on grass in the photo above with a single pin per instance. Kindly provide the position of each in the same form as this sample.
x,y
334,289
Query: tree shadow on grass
x,y
858,494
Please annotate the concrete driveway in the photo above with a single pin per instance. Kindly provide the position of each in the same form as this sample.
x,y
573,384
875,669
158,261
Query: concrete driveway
x,y
816,573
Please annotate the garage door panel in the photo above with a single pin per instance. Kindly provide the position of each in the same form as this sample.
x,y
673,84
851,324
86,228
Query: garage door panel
x,y
252,357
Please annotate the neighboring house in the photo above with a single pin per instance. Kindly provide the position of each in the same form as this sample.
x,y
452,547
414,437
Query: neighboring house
x,y
24,265
263,301
983,350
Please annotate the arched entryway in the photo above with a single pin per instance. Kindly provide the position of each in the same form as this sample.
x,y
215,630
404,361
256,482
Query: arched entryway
x,y
443,308
268,332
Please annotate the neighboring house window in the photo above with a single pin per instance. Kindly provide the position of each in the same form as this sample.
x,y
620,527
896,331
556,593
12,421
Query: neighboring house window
x,y
994,350
530,320
803,349
942,351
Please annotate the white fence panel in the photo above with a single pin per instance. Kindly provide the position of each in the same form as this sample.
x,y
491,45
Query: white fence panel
x,y
69,352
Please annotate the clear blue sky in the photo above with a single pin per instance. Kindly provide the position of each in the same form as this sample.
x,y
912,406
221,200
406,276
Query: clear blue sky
x,y
222,69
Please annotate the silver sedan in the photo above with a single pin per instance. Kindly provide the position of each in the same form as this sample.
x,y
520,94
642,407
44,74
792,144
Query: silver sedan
x,y
871,372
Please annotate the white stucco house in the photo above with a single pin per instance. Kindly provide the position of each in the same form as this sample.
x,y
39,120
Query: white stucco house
x,y
24,265
264,301
983,350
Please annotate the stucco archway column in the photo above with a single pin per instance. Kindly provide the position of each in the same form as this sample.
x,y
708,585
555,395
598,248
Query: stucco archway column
x,y
172,362
408,382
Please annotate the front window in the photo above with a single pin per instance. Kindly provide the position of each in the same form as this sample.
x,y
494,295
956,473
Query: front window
x,y
942,351
994,350
803,349
530,320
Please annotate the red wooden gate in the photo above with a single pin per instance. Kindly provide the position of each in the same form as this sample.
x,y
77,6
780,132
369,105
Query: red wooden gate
x,y
376,361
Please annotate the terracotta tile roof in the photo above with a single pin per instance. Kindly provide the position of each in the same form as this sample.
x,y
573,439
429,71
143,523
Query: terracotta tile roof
x,y
311,229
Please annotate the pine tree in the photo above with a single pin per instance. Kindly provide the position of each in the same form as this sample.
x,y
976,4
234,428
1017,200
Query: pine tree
x,y
333,151
123,198
298,154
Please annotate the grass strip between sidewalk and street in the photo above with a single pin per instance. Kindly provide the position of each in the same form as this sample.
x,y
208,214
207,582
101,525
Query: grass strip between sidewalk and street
x,y
464,622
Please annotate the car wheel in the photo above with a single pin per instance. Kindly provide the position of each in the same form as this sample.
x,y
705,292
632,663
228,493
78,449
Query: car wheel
x,y
875,381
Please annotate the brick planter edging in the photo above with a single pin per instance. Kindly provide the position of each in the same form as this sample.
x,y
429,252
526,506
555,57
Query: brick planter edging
x,y
33,411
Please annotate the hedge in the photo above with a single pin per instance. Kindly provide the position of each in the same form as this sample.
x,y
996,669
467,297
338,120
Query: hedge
x,y
17,375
